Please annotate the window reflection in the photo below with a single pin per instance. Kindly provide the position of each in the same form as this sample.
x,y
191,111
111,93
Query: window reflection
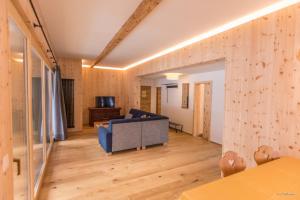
x,y
20,151
37,127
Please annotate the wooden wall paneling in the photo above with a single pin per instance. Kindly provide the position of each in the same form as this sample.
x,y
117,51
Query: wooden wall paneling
x,y
198,111
290,145
296,65
261,81
145,102
207,110
185,95
280,91
158,100
72,69
6,175
97,82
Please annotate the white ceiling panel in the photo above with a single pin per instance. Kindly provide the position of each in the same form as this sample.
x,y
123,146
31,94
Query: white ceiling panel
x,y
174,21
82,28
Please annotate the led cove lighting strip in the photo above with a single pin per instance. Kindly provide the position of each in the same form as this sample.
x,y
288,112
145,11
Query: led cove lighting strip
x,y
111,68
104,67
245,19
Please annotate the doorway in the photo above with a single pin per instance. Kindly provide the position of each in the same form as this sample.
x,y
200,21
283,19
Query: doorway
x,y
145,98
68,89
158,100
202,109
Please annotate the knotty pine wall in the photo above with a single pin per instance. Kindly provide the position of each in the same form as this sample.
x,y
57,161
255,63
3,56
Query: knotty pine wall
x,y
262,83
71,69
90,83
6,176
96,82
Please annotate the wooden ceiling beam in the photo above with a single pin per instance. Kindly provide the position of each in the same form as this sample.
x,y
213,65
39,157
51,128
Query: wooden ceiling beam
x,y
145,7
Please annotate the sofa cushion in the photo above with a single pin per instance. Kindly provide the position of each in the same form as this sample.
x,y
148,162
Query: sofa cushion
x,y
105,139
119,121
135,112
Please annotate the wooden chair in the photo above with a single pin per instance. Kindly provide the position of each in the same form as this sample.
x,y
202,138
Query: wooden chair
x,y
231,163
265,154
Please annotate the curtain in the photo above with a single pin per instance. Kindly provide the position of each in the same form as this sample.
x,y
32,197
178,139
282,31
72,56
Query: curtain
x,y
59,110
68,89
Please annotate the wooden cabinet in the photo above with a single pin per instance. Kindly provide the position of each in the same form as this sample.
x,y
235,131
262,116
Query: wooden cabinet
x,y
102,114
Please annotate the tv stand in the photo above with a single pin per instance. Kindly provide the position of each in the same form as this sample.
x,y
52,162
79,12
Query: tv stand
x,y
102,114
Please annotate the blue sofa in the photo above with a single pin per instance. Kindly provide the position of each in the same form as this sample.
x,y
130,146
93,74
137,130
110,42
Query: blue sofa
x,y
142,130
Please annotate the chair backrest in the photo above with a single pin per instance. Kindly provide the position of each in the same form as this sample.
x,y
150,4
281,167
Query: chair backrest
x,y
231,163
265,154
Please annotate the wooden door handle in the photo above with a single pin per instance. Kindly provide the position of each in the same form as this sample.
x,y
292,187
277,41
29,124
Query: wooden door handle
x,y
18,161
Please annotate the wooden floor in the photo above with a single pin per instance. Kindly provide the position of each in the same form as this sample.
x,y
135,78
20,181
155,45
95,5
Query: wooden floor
x,y
78,169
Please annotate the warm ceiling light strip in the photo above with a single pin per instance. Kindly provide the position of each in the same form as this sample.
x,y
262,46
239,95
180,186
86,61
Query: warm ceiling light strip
x,y
103,67
235,23
19,60
110,68
245,19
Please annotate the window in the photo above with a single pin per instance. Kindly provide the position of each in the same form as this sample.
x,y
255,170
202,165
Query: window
x,y
37,115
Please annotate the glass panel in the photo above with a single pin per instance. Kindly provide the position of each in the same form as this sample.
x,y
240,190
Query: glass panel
x,y
20,153
37,115
48,104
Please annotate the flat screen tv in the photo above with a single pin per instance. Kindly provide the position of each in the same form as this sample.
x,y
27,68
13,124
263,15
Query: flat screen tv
x,y
105,102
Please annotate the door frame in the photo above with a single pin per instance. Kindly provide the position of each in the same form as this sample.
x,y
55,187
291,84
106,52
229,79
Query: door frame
x,y
195,84
158,88
142,97
6,147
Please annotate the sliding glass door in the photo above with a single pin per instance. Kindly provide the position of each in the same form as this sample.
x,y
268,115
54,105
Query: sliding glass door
x,y
18,66
31,93
48,106
37,115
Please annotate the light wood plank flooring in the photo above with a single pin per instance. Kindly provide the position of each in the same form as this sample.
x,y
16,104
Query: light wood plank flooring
x,y
79,169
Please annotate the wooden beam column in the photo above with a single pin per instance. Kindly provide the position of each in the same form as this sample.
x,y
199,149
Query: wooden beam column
x,y
145,7
6,177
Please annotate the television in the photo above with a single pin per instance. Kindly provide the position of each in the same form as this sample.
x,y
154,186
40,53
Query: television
x,y
105,102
